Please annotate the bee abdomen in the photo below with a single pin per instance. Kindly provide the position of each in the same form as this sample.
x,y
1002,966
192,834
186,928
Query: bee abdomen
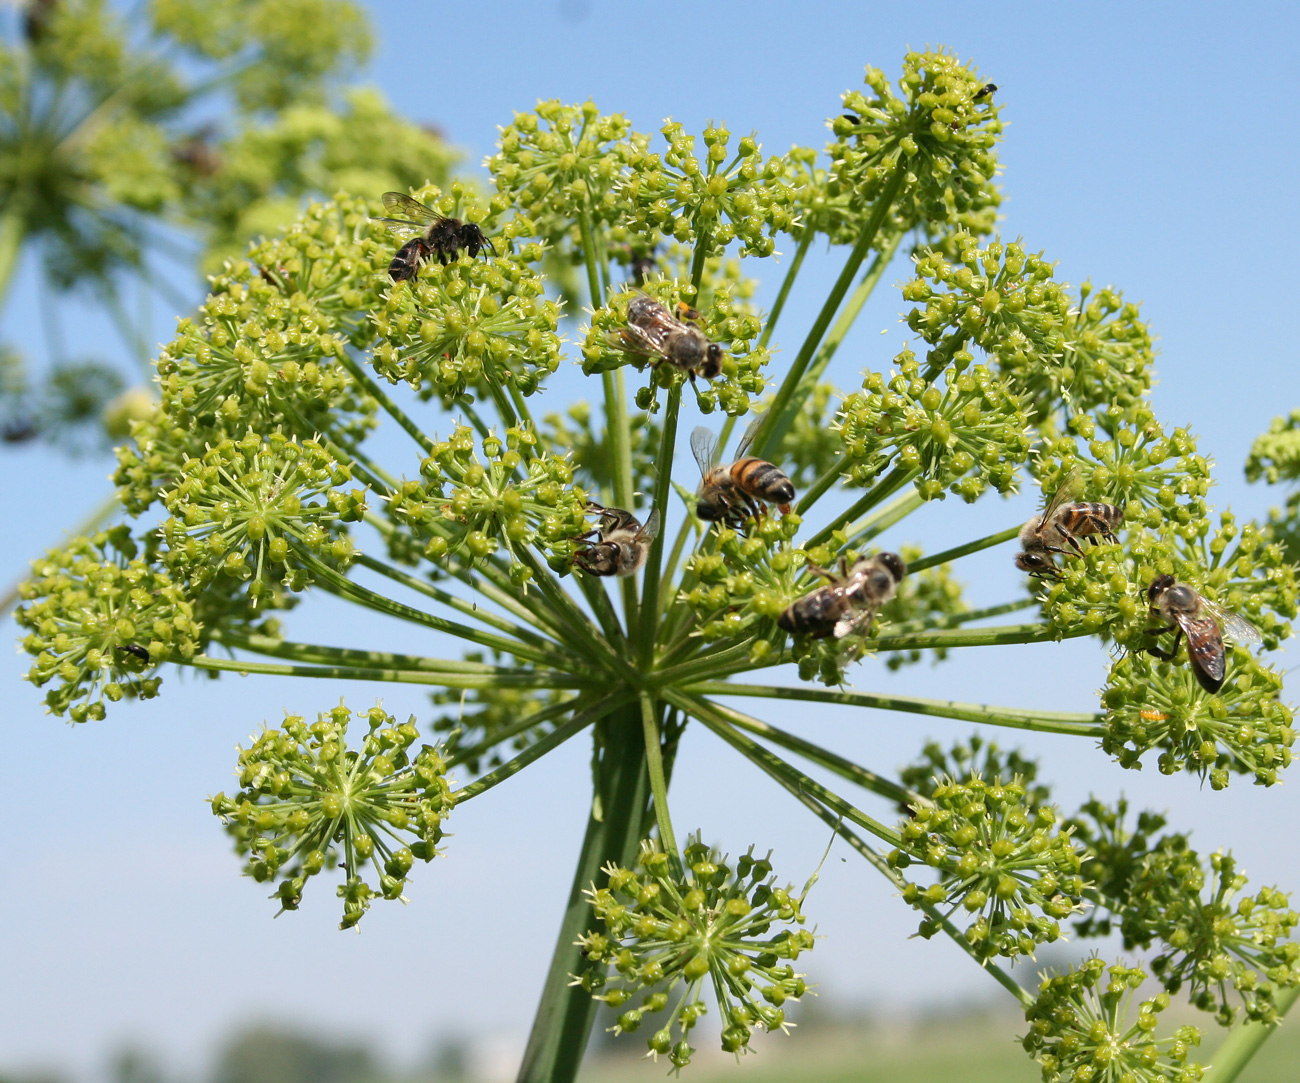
x,y
759,478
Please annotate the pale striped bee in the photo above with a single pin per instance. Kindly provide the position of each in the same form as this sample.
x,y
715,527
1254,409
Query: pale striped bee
x,y
729,494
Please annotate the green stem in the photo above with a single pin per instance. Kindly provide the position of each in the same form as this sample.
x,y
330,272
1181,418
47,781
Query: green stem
x,y
650,584
1244,1042
714,717
658,783
791,273
818,488
882,490
470,609
525,678
843,323
614,825
1085,725
13,221
670,569
969,616
394,411
884,518
963,550
765,441
537,749
980,637
339,584
346,656
501,736
711,661
823,757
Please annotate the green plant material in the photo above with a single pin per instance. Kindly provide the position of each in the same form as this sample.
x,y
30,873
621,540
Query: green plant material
x,y
257,481
666,929
307,803
1080,1028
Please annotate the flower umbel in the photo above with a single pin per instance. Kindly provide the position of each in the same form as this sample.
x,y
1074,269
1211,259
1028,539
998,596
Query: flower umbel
x,y
666,928
307,803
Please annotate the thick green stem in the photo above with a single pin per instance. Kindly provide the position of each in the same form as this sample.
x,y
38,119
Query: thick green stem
x,y
715,718
614,827
658,782
963,550
448,679
1085,725
1244,1042
765,440
791,273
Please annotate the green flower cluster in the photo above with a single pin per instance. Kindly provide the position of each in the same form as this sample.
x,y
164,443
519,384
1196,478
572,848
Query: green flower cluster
x,y
307,802
98,619
482,325
976,756
1244,728
726,319
1213,938
931,147
723,198
963,436
1275,457
1079,1030
999,857
563,164
666,928
467,508
262,510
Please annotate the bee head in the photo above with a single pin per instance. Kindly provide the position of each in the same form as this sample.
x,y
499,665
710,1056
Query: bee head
x,y
894,563
1159,585
712,365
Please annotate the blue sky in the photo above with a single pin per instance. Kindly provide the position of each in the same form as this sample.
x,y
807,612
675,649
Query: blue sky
x,y
1152,147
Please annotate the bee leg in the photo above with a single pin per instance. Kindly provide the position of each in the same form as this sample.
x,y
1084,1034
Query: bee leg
x,y
1074,543
1168,656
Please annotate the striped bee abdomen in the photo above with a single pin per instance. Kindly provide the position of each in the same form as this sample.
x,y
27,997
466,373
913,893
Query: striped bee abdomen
x,y
763,481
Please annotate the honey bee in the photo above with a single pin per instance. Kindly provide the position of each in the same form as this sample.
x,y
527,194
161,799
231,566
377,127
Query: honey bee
x,y
848,601
443,237
652,331
1205,623
729,494
622,542
1062,522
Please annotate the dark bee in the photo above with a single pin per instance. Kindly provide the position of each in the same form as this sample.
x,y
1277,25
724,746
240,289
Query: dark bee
x,y
197,154
622,542
1061,523
37,16
19,430
136,651
729,494
652,331
848,601
985,91
1185,612
642,265
443,237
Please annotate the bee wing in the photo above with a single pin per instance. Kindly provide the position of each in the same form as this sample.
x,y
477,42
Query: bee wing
x,y
1204,644
751,430
851,621
650,531
703,445
1234,625
1065,492
415,211
638,340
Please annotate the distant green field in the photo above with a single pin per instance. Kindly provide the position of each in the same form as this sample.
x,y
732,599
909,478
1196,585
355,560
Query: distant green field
x,y
965,1051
